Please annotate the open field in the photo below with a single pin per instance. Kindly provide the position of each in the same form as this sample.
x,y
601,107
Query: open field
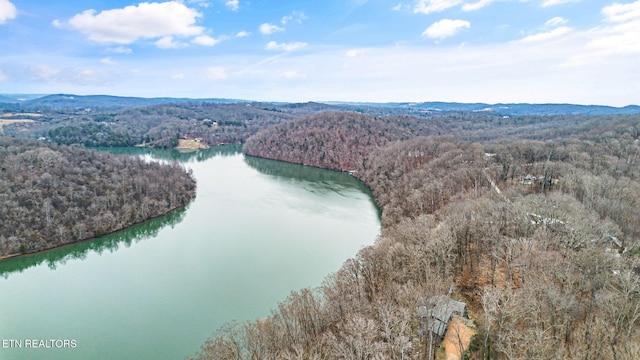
x,y
8,115
7,122
191,144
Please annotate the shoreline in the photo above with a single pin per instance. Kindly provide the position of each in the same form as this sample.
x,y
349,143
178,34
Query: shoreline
x,y
191,144
17,255
350,172
5,257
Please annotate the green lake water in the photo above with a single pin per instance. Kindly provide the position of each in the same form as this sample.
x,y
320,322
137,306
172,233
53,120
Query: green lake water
x,y
257,230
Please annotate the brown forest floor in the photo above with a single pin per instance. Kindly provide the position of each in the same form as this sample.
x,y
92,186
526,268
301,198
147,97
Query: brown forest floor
x,y
458,335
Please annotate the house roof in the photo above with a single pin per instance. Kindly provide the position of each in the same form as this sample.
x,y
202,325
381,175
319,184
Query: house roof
x,y
438,311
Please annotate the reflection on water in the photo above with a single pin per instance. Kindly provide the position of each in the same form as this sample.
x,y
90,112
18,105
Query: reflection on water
x,y
174,155
309,177
295,171
112,242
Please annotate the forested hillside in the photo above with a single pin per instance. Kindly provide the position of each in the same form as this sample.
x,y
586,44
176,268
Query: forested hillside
x,y
163,123
332,140
54,195
533,221
159,126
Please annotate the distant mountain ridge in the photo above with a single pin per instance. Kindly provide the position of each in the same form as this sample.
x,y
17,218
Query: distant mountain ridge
x,y
6,99
109,101
506,108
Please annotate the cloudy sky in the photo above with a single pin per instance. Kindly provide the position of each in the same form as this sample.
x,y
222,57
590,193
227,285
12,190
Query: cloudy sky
x,y
561,51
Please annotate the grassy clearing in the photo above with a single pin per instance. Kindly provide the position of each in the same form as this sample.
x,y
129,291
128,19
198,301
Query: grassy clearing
x,y
7,122
8,115
191,144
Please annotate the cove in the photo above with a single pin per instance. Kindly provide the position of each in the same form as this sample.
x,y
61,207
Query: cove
x,y
257,230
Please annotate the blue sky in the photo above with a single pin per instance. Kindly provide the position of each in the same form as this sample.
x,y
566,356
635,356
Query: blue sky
x,y
536,51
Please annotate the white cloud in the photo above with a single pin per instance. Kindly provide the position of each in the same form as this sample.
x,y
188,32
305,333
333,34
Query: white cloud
x,y
617,41
558,20
536,72
177,76
167,42
549,35
69,75
619,36
87,76
296,16
145,20
242,34
201,3
8,11
233,5
120,50
43,72
216,73
476,5
268,29
401,7
353,53
547,3
431,6
622,12
3,76
107,61
205,40
495,73
445,28
292,74
292,46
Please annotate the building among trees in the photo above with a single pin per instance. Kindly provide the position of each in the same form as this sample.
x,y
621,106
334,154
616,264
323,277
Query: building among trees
x,y
438,311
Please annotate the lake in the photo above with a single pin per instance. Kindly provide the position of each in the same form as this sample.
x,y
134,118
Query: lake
x,y
257,230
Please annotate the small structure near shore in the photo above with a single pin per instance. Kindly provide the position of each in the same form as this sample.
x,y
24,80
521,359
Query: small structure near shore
x,y
437,312
443,319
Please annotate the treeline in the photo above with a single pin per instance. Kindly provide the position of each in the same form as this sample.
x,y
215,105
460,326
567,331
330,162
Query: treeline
x,y
332,140
161,125
108,243
539,236
343,140
89,134
54,195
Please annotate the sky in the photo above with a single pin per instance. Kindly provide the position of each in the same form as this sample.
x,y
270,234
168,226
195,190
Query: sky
x,y
492,51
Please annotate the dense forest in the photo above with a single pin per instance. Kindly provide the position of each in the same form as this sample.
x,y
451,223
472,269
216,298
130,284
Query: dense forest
x,y
532,221
54,195
332,140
